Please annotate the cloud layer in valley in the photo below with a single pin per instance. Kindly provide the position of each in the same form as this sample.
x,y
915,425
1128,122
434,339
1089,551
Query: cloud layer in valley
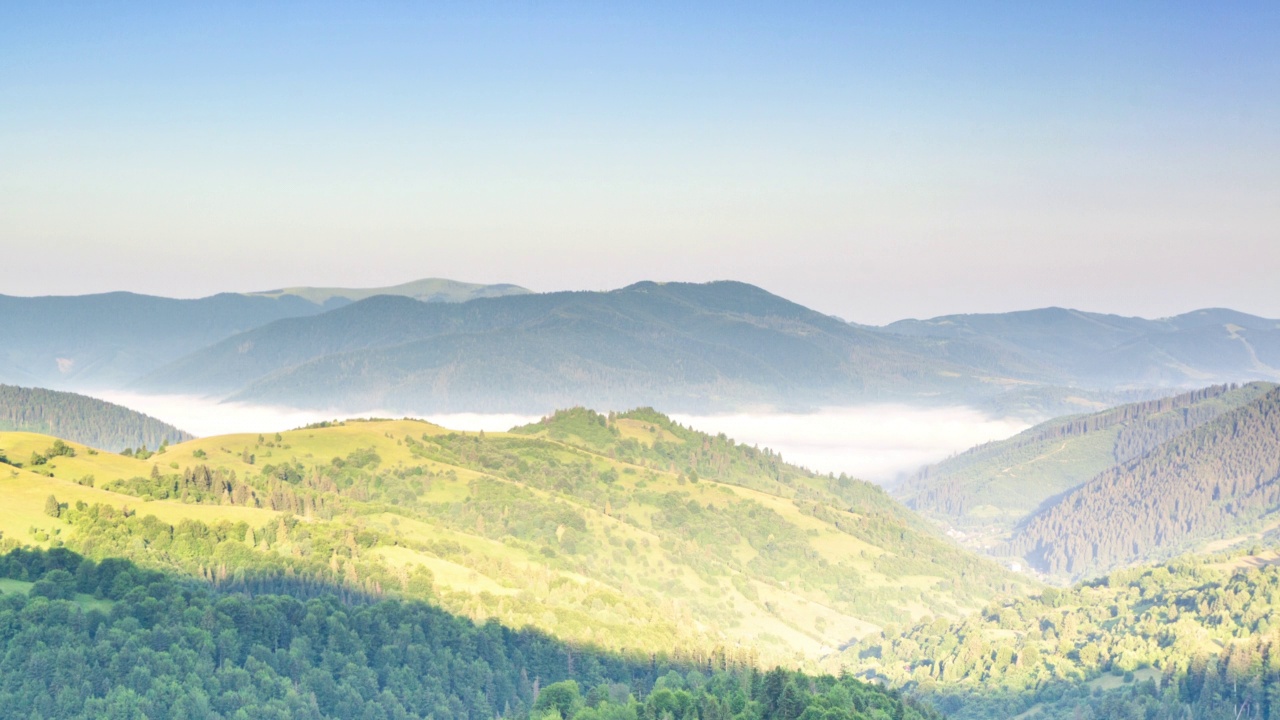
x,y
873,442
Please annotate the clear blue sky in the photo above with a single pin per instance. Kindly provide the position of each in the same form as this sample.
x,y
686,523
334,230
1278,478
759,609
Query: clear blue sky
x,y
872,160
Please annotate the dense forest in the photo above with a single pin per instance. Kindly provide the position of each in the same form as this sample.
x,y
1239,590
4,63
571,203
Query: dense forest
x,y
1196,638
1220,479
85,639
1003,481
86,420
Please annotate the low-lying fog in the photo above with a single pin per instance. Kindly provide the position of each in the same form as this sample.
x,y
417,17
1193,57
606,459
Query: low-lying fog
x,y
873,442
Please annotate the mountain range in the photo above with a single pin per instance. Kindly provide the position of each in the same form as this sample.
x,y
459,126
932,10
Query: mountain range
x,y
685,347
108,340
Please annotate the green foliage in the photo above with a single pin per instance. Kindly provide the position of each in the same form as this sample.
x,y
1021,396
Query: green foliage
x,y
176,649
1189,639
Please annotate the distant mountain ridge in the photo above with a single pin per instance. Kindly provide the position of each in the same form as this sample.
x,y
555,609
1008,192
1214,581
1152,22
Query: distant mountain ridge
x,y
108,340
425,290
721,346
704,347
1093,349
675,345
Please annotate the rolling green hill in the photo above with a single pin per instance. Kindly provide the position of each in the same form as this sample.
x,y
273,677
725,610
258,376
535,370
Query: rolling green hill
x,y
628,532
987,490
1199,637
1220,480
80,639
82,419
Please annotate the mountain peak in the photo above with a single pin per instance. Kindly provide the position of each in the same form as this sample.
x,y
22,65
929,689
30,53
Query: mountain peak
x,y
424,290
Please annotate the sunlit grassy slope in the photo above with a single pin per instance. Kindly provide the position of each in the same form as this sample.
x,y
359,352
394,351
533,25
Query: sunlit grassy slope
x,y
628,532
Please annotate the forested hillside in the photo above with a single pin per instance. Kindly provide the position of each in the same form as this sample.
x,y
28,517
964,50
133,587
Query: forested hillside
x,y
1221,479
1198,638
80,639
626,532
83,419
995,485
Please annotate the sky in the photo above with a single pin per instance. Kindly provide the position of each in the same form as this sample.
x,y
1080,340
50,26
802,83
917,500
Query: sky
x,y
870,160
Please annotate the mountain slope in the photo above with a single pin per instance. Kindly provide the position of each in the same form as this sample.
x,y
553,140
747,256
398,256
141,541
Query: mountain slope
x,y
1221,479
679,345
625,533
82,419
993,486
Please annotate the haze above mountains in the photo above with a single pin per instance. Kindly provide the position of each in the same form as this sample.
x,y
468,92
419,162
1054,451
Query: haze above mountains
x,y
440,346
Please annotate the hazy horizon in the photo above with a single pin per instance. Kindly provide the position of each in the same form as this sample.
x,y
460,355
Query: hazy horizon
x,y
874,163
881,322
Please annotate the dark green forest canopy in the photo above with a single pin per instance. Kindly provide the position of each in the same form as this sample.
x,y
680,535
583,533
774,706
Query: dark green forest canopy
x,y
85,639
